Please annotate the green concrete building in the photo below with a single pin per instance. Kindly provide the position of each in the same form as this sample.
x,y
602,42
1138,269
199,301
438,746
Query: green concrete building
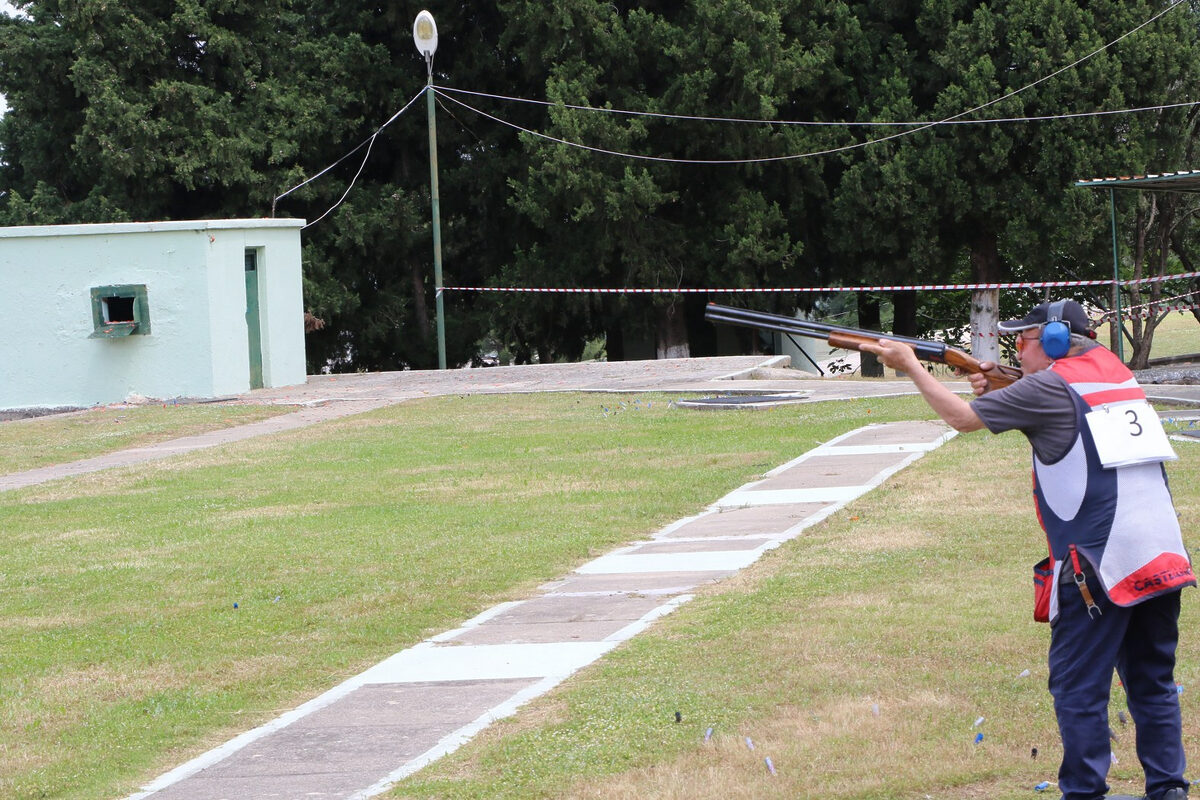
x,y
162,310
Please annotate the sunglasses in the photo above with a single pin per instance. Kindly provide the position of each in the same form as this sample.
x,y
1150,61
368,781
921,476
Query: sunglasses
x,y
1022,338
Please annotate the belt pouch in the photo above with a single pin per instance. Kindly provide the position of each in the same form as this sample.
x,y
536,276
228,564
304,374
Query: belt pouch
x,y
1043,585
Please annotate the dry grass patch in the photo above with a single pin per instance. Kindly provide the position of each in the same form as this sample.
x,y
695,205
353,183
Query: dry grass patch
x,y
32,623
101,683
851,601
90,485
296,511
876,535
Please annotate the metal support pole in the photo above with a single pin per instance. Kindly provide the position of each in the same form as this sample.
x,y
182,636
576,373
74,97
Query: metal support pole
x,y
1112,208
437,225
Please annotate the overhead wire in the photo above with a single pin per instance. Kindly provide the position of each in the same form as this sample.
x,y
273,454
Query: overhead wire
x,y
815,123
914,127
369,142
920,126
793,156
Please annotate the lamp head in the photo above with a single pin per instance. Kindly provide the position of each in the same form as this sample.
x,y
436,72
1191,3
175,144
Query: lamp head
x,y
425,34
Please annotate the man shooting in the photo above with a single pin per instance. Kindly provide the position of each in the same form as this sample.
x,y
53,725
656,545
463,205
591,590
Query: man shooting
x,y
1116,550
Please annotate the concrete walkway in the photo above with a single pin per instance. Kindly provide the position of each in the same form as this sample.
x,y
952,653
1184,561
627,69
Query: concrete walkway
x,y
359,738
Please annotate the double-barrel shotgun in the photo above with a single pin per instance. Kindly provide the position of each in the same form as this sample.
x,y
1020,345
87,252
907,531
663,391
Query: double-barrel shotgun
x,y
853,338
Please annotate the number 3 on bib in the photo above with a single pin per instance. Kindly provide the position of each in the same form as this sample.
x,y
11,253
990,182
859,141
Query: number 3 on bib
x,y
1128,433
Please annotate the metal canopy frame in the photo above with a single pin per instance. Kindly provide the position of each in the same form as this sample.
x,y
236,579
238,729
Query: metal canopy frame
x,y
1184,182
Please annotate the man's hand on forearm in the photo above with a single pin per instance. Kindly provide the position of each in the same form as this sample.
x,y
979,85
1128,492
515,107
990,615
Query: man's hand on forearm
x,y
896,355
945,403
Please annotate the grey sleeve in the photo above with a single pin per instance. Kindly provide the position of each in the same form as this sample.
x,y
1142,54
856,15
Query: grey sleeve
x,y
1040,406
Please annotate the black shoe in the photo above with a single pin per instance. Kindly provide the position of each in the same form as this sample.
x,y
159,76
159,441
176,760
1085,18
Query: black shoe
x,y
1177,793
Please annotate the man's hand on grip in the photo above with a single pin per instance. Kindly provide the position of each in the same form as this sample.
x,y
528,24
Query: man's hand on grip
x,y
979,381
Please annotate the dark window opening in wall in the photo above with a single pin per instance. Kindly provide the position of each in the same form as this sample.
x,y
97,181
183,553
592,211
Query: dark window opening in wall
x,y
119,311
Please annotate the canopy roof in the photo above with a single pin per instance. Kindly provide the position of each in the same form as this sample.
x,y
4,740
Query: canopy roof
x,y
1186,181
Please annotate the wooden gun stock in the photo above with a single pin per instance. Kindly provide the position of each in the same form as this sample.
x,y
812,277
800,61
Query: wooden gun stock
x,y
999,375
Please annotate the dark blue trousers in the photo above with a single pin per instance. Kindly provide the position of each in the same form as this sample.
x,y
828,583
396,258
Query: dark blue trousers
x,y
1139,642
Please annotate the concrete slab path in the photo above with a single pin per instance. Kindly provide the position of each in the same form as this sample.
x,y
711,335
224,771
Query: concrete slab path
x,y
358,739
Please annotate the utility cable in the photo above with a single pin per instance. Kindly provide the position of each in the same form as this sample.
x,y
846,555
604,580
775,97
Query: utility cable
x,y
369,142
829,151
817,123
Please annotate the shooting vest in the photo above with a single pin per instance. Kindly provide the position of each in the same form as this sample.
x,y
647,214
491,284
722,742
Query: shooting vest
x,y
1121,520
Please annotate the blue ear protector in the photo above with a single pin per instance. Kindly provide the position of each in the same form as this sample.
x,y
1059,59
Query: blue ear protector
x,y
1056,334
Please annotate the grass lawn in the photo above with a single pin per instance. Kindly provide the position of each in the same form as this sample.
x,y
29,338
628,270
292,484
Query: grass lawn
x,y
341,544
1177,335
857,657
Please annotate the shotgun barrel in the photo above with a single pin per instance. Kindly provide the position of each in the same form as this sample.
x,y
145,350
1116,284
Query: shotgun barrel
x,y
851,338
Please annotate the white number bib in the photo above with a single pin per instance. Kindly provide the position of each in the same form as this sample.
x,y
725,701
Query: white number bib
x,y
1128,433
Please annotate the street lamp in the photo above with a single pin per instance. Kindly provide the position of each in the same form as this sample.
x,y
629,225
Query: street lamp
x,y
425,36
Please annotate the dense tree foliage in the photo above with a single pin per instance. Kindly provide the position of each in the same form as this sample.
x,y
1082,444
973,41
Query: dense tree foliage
x,y
183,109
995,202
155,109
653,221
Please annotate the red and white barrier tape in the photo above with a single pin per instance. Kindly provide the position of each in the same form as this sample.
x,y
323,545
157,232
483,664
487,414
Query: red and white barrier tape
x,y
1162,278
1163,300
1150,309
923,287
759,290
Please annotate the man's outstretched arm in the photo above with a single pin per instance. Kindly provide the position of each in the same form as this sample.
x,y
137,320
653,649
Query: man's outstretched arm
x,y
945,403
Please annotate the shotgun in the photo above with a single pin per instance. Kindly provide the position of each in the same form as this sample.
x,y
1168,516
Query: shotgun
x,y
853,338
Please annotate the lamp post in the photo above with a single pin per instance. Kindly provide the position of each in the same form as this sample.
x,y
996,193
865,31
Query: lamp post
x,y
425,36
1112,209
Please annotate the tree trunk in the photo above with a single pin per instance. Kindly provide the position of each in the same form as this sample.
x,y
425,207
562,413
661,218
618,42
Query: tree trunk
x,y
1143,223
985,303
614,342
904,315
1180,252
1156,257
672,332
702,334
1114,329
420,307
985,324
904,305
614,331
1140,357
428,356
868,319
